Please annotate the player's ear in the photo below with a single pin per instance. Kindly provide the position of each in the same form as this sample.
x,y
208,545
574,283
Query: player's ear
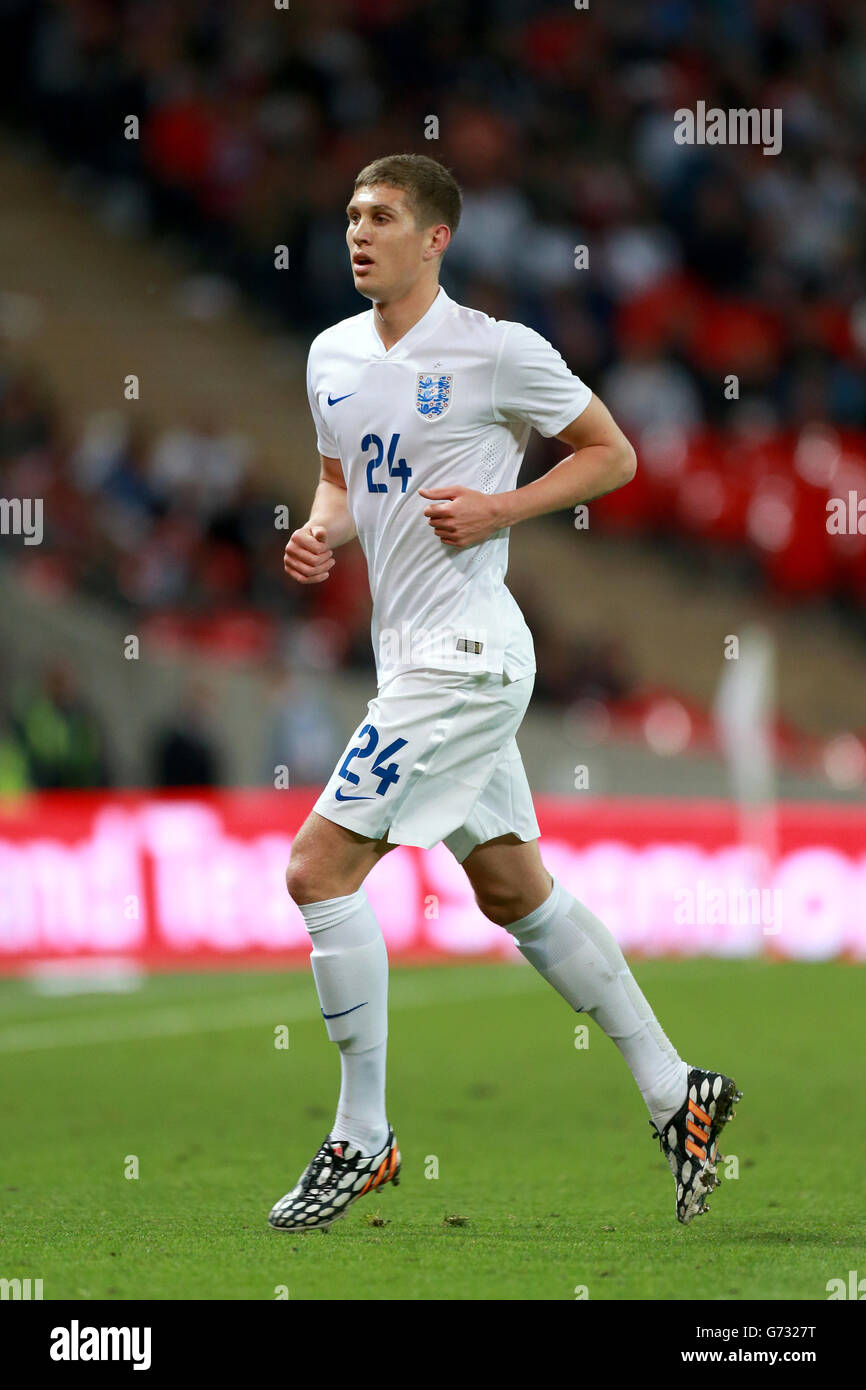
x,y
439,239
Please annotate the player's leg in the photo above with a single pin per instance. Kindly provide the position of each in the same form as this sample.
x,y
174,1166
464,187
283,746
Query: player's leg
x,y
326,871
325,876
329,860
396,783
577,954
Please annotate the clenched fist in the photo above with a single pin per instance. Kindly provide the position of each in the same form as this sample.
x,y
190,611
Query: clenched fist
x,y
307,557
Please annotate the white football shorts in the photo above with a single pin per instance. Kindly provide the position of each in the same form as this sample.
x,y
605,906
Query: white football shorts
x,y
436,758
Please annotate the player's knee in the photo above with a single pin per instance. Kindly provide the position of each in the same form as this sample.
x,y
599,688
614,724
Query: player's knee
x,y
504,904
303,882
500,907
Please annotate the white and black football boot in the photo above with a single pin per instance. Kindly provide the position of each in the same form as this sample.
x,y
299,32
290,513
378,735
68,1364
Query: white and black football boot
x,y
689,1140
336,1177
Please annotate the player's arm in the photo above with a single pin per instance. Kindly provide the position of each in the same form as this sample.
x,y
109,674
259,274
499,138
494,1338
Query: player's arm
x,y
601,460
308,557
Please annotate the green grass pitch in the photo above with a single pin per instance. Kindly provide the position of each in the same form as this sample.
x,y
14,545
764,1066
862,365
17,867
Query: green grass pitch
x,y
548,1179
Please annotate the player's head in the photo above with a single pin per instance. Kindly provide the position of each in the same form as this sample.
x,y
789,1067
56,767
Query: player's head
x,y
402,214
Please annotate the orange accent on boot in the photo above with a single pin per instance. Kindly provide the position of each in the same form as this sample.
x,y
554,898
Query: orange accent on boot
x,y
701,1114
380,1172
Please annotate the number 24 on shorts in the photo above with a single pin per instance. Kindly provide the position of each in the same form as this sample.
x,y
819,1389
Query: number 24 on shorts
x,y
387,775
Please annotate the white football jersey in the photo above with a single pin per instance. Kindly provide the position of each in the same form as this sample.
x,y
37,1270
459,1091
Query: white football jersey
x,y
452,402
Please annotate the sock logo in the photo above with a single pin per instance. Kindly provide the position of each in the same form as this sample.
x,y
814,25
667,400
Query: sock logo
x,y
344,1011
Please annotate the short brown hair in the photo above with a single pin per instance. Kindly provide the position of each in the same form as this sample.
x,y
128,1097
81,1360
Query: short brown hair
x,y
433,192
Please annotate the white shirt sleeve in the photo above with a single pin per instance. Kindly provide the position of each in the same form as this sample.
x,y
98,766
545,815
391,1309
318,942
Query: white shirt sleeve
x,y
324,442
532,382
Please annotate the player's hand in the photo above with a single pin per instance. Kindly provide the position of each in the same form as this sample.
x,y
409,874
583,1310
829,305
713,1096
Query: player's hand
x,y
307,557
461,516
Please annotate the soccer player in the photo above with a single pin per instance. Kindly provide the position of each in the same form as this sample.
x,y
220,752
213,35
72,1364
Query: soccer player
x,y
423,409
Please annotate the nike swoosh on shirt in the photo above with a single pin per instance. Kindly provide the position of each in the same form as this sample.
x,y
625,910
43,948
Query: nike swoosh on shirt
x,y
343,1011
333,400
350,798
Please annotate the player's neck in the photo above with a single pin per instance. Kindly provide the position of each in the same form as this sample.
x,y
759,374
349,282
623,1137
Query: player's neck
x,y
394,320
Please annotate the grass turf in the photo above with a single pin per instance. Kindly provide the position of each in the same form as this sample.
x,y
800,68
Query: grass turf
x,y
544,1151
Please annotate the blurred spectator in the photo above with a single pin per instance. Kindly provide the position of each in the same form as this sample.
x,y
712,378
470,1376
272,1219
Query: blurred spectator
x,y
198,467
303,735
644,391
592,669
184,749
60,736
25,412
14,771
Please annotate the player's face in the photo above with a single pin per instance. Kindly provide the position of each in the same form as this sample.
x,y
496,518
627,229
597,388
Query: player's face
x,y
386,248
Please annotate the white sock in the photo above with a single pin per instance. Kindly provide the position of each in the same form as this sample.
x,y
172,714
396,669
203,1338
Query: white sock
x,y
360,1114
350,968
577,954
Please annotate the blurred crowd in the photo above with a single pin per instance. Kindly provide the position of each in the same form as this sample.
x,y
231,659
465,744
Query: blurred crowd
x,y
720,309
150,518
53,738
703,261
703,264
170,526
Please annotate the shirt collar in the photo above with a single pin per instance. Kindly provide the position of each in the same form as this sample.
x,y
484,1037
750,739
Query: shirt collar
x,y
419,330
